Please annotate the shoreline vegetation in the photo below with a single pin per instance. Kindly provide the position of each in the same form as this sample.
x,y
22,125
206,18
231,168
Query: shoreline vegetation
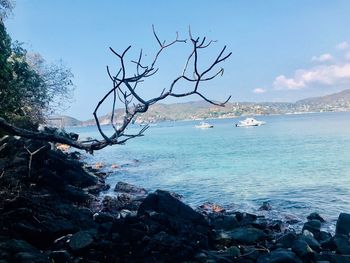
x,y
52,211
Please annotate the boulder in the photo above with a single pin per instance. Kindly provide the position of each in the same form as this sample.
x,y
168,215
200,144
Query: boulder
x,y
122,187
312,242
80,241
265,206
314,226
315,216
224,222
279,256
303,250
287,240
342,244
343,224
333,258
163,202
247,235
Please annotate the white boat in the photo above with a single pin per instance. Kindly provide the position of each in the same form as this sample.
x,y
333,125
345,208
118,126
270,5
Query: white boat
x,y
249,122
204,125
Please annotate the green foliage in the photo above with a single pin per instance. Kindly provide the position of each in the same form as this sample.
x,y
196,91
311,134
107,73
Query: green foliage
x,y
28,86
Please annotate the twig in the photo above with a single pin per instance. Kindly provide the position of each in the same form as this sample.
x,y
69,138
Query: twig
x,y
31,154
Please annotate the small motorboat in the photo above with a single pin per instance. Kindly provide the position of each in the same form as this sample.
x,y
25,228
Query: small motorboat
x,y
204,125
249,122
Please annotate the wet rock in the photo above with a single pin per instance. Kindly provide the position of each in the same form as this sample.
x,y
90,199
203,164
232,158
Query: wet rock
x,y
312,242
245,219
123,187
314,226
343,224
302,249
80,240
247,235
342,244
265,206
225,222
279,256
323,236
163,202
287,240
315,216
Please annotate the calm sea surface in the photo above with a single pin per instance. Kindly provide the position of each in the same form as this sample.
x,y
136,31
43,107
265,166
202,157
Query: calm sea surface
x,y
299,163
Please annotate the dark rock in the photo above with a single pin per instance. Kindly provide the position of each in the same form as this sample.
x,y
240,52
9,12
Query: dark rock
x,y
343,224
315,216
279,256
342,244
164,202
302,249
265,206
57,227
245,219
122,187
287,240
312,242
25,257
60,256
103,217
225,222
324,236
213,257
75,194
247,235
233,252
80,240
15,250
333,258
314,226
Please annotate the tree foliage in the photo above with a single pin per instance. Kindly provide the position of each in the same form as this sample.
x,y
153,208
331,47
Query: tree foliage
x,y
6,7
29,87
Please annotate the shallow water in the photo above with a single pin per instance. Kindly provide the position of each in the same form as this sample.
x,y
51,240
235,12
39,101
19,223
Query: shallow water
x,y
299,163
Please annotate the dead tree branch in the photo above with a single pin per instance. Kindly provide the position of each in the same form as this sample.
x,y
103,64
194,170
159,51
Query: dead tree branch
x,y
124,88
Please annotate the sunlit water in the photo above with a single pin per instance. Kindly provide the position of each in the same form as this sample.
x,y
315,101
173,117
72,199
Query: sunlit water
x,y
299,163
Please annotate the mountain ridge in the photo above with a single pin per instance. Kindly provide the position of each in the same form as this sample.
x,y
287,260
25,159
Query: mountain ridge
x,y
193,110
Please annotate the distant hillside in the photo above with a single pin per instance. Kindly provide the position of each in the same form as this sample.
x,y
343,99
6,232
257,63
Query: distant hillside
x,y
335,98
339,101
63,121
202,110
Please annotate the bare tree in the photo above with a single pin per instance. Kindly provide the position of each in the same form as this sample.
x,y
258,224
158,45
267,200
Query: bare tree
x,y
124,90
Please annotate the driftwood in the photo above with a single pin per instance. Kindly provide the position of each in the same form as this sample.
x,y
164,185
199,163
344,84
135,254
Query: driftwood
x,y
124,89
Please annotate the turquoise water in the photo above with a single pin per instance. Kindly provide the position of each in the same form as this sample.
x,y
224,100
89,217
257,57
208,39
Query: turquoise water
x,y
299,163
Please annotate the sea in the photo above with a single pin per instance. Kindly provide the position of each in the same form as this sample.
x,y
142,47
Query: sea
x,y
299,163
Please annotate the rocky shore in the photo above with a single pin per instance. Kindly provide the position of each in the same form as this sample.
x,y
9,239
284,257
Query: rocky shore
x,y
50,212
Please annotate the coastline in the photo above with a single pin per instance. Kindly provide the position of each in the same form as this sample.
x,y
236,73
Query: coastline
x,y
53,213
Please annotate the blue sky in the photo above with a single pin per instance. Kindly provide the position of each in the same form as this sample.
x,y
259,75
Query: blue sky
x,y
282,50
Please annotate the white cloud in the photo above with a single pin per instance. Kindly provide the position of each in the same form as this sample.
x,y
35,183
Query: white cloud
x,y
281,82
343,45
321,75
347,55
259,90
322,58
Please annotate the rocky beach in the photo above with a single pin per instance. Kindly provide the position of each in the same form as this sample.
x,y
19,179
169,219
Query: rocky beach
x,y
51,211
